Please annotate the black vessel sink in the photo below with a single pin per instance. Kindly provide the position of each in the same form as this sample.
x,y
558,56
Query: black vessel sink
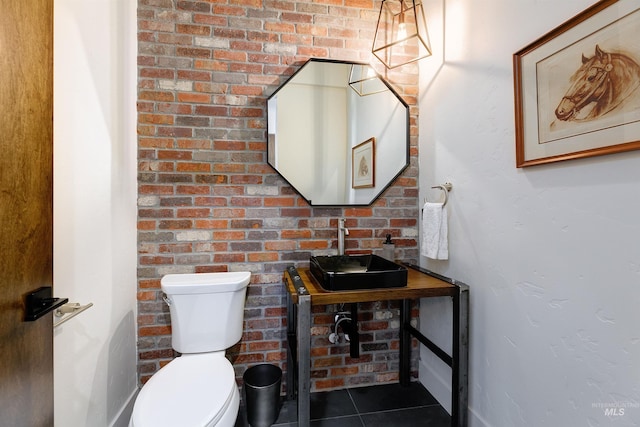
x,y
351,272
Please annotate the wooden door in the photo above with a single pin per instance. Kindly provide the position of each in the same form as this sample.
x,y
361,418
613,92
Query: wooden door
x,y
26,214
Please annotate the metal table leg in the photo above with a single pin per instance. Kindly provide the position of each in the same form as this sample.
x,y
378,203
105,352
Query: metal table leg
x,y
304,359
405,342
460,368
291,347
459,360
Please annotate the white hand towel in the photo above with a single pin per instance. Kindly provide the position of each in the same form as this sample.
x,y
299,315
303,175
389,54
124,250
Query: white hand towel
x,y
435,243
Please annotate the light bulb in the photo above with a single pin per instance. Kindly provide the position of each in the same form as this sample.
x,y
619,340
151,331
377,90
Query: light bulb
x,y
370,72
402,27
402,31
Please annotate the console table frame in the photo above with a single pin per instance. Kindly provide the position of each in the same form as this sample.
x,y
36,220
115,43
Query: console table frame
x,y
303,291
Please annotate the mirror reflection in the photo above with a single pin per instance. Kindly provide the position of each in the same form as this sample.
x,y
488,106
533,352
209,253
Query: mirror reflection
x,y
337,143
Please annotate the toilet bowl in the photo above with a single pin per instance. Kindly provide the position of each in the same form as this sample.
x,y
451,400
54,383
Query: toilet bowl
x,y
192,390
197,389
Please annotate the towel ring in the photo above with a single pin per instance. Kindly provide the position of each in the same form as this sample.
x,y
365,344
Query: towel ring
x,y
446,187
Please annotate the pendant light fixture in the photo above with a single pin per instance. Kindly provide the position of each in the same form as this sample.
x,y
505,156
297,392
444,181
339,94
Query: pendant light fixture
x,y
401,34
364,80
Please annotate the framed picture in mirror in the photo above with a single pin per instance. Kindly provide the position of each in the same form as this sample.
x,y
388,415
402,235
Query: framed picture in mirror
x,y
363,164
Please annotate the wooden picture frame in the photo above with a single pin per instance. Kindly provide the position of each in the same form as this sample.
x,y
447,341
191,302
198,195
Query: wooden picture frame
x,y
577,88
363,164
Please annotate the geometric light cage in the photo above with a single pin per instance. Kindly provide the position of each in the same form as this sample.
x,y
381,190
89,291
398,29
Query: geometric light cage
x,y
401,33
364,80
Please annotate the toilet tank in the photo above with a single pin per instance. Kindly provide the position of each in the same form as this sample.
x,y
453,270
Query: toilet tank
x,y
207,309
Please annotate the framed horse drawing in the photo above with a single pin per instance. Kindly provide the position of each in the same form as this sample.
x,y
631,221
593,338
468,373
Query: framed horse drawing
x,y
577,88
363,164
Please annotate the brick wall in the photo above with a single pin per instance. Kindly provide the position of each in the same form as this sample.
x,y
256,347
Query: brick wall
x,y
208,201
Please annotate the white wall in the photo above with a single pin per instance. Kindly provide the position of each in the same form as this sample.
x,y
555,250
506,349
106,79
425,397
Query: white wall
x,y
320,180
95,209
551,253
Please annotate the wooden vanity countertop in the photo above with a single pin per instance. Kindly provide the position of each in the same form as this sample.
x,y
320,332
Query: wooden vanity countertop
x,y
419,285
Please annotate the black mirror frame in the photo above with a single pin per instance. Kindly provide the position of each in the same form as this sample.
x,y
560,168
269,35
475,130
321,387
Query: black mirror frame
x,y
407,145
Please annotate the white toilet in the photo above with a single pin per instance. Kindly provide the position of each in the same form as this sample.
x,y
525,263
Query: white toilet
x,y
197,389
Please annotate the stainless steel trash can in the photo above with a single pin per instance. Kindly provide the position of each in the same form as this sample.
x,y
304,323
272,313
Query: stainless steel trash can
x,y
262,394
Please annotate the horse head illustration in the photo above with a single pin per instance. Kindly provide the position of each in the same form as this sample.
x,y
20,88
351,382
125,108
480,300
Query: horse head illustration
x,y
601,84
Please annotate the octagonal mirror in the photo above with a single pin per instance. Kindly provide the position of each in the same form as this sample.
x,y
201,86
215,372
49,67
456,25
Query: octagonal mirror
x,y
337,133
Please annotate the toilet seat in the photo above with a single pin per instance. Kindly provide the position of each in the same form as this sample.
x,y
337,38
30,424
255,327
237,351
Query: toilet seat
x,y
195,390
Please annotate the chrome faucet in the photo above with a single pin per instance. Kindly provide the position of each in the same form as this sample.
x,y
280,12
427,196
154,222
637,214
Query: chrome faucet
x,y
342,231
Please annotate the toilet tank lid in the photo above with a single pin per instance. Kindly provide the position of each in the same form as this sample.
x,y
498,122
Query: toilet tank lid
x,y
204,283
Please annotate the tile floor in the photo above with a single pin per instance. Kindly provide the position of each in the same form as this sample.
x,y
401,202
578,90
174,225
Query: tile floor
x,y
388,405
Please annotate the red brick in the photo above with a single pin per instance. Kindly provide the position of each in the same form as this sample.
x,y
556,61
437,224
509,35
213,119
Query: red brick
x,y
154,331
156,96
279,201
175,39
173,108
175,155
193,212
231,10
358,212
296,234
147,296
218,20
174,248
264,346
194,75
263,323
155,189
262,257
280,245
197,30
329,384
276,356
247,112
192,189
216,201
158,119
208,110
275,312
158,73
313,244
193,167
229,258
229,145
196,98
250,358
211,224
155,260
146,225
192,52
191,143
344,371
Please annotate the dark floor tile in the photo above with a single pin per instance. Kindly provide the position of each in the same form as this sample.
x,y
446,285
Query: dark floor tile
x,y
431,416
351,421
385,405
288,413
331,404
391,396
